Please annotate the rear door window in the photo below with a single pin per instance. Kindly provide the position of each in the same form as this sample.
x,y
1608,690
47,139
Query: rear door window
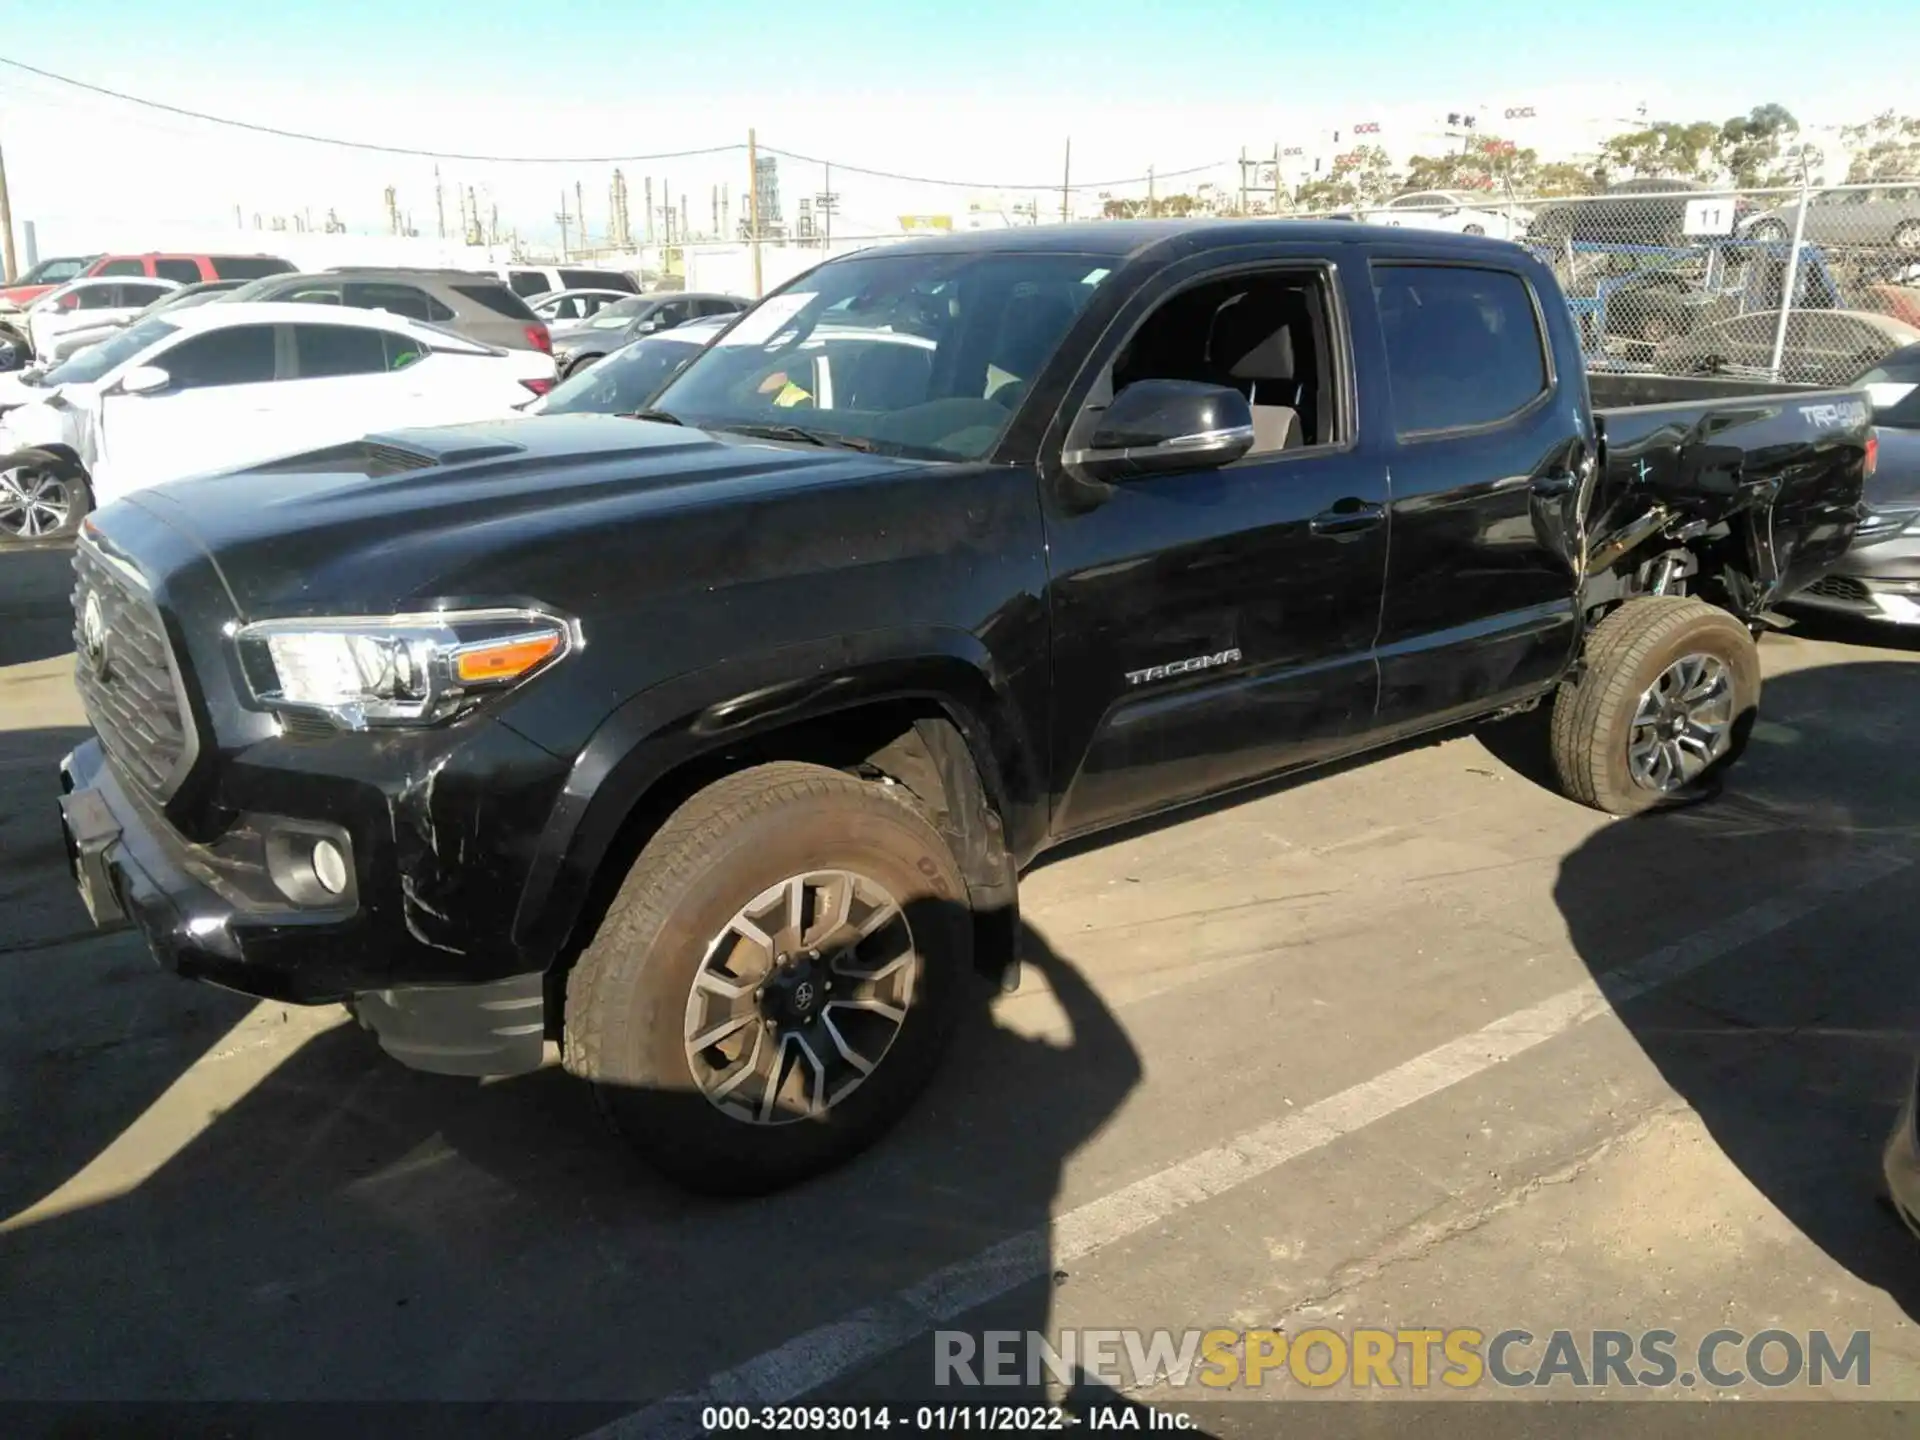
x,y
241,355
1464,347
394,299
125,267
323,351
131,294
97,297
187,272
528,282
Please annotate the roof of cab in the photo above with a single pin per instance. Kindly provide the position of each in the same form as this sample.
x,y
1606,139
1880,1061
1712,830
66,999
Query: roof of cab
x,y
1127,238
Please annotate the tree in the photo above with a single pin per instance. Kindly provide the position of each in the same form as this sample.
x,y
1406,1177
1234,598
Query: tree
x,y
1749,148
1563,177
1886,147
1665,149
1359,177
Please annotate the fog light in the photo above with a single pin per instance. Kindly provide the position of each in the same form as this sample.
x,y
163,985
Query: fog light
x,y
329,867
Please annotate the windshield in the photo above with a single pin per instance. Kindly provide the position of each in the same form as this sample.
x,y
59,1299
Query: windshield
x,y
52,272
617,315
96,360
918,354
627,379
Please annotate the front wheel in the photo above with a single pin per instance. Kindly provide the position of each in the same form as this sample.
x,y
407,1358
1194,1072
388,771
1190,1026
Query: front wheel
x,y
41,498
1663,703
774,981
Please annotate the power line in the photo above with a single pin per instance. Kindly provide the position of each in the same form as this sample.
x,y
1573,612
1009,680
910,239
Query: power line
x,y
370,146
995,184
334,140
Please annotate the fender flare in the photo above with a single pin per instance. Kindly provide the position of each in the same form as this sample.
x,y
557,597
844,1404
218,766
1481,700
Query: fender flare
x,y
746,698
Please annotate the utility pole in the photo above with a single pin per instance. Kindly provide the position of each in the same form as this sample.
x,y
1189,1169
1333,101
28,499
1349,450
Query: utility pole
x,y
493,226
239,221
579,216
471,233
1276,177
726,211
6,225
1151,204
826,202
649,210
713,194
753,206
440,202
1243,179
563,218
1066,180
393,213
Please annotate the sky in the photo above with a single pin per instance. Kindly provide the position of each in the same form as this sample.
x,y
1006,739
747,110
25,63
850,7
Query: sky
x,y
984,97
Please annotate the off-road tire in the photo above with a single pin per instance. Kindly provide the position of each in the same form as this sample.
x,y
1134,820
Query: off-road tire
x,y
1623,655
626,998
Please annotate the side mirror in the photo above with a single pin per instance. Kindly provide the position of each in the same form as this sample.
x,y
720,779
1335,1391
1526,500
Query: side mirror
x,y
1157,426
144,380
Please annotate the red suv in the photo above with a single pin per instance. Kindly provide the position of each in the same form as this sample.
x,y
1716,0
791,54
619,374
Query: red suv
x,y
191,269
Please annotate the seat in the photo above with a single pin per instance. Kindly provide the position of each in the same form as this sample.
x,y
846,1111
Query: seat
x,y
1251,349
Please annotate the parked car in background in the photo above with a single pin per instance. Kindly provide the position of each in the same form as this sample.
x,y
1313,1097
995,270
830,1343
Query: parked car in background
x,y
577,346
1879,577
44,277
477,306
622,383
527,281
82,303
191,269
73,341
1632,212
1460,212
219,386
563,307
1823,347
1846,217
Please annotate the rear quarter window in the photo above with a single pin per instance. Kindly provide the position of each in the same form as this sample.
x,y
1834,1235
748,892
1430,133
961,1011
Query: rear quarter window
x,y
596,280
1463,344
498,299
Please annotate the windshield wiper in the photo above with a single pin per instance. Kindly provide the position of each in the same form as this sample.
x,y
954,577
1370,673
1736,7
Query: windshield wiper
x,y
800,433
664,417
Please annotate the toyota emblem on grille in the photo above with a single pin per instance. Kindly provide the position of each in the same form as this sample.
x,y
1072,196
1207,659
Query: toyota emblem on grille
x,y
93,636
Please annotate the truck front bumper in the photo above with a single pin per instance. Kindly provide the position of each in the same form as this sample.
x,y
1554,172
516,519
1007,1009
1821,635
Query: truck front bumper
x,y
213,917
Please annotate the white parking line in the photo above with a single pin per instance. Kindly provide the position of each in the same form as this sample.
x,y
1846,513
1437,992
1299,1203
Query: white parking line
x,y
841,1347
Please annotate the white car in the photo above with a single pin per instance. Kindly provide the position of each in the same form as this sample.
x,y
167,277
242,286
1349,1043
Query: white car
x,y
79,304
1459,212
222,386
528,281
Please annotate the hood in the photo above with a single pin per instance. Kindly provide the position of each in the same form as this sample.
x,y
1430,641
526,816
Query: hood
x,y
527,508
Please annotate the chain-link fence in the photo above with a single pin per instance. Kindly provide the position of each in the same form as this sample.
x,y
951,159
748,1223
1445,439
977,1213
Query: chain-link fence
x,y
1664,276
1802,286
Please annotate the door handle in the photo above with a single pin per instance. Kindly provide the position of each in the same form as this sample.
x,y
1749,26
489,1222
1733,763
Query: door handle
x,y
1347,519
1553,486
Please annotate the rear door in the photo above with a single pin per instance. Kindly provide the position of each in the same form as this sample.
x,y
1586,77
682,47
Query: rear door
x,y
1485,447
216,412
1214,625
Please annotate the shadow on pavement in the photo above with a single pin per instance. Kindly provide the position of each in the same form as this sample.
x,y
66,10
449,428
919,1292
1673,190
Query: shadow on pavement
x,y
36,603
1795,1050
348,1229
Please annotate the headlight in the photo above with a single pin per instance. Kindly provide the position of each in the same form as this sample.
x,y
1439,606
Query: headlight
x,y
361,671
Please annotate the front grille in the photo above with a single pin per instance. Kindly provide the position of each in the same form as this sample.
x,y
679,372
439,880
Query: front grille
x,y
1838,587
125,672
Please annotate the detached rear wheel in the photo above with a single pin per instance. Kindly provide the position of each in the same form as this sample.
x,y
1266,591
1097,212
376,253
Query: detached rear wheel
x,y
1664,702
41,498
773,984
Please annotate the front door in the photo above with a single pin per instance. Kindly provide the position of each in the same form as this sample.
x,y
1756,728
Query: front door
x,y
215,412
1215,625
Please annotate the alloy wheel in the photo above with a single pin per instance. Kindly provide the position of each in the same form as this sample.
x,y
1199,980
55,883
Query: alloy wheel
x,y
1683,723
33,503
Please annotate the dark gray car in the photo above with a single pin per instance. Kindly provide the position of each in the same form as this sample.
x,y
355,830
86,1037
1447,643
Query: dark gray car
x,y
476,306
577,346
1879,577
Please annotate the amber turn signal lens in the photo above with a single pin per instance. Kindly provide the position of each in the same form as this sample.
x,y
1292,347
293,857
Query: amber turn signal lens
x,y
503,659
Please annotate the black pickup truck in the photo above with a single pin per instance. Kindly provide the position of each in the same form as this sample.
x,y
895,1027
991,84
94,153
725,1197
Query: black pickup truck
x,y
708,741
